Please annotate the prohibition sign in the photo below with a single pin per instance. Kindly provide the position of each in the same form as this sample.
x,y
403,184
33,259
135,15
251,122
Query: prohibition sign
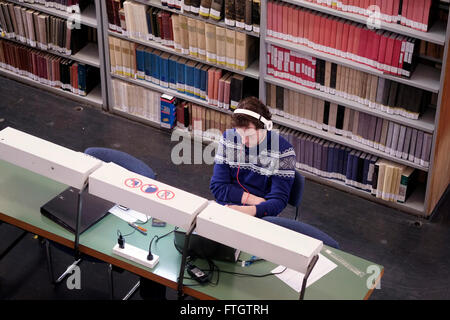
x,y
133,183
149,188
165,195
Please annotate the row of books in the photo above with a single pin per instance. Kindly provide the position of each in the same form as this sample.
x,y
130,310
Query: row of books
x,y
382,50
136,100
370,90
381,134
189,36
242,14
213,85
412,13
64,5
431,50
202,121
42,31
48,69
354,168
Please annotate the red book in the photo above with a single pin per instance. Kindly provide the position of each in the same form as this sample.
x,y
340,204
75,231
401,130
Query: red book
x,y
410,13
382,50
355,44
351,37
404,14
323,30
426,15
339,29
298,69
417,16
333,34
376,47
269,17
366,5
308,27
291,22
316,27
402,53
279,19
396,55
384,9
295,30
345,32
370,47
395,9
285,21
389,51
301,27
363,42
389,10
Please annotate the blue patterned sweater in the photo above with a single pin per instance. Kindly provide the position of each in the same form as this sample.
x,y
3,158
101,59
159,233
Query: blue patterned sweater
x,y
266,171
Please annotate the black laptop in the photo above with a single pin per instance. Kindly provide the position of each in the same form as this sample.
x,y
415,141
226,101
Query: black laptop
x,y
62,209
204,248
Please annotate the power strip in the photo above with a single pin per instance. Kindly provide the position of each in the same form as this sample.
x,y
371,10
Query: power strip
x,y
136,254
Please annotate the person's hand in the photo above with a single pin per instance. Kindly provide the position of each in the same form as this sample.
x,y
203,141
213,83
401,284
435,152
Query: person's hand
x,y
250,199
250,210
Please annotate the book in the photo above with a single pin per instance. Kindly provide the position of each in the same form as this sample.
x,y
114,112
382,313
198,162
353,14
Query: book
x,y
230,12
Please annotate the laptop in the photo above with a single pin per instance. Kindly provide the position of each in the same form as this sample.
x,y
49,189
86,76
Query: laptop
x,y
62,209
204,248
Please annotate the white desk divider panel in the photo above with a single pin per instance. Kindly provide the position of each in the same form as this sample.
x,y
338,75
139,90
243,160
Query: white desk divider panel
x,y
258,237
46,158
151,197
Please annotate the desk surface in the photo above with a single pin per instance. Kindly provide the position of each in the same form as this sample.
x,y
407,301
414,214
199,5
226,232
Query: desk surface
x,y
22,193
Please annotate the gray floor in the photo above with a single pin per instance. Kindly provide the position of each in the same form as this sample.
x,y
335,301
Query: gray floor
x,y
414,252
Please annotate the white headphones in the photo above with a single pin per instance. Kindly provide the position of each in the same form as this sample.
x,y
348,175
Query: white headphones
x,y
267,123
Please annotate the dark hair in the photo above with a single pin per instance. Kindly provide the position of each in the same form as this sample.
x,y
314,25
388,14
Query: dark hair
x,y
252,104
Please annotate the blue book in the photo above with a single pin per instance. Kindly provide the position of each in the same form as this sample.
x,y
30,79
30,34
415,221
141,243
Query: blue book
x,y
348,172
340,169
164,70
197,80
149,21
324,160
336,161
148,64
181,81
82,79
360,176
140,62
173,72
354,176
345,164
308,151
330,160
203,81
156,66
189,77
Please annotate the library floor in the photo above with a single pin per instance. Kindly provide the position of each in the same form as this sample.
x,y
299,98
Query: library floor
x,y
413,251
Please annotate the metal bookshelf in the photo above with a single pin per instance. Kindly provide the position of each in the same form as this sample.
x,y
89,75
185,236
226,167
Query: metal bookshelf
x,y
424,77
92,54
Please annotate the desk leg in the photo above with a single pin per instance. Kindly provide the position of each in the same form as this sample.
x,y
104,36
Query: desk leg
x,y
187,238
305,278
77,228
12,245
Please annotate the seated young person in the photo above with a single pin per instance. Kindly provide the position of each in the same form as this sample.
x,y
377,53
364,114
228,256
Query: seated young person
x,y
254,166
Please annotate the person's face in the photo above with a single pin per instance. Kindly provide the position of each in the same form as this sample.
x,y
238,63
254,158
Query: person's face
x,y
250,135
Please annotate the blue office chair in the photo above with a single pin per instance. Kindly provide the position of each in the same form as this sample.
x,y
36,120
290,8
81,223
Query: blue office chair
x,y
128,162
305,229
295,197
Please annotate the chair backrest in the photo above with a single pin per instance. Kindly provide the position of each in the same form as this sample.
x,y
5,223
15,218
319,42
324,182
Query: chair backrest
x,y
305,229
121,159
295,197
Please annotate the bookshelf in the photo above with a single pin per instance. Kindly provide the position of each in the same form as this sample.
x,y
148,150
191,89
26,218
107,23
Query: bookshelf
x,y
426,196
433,121
91,54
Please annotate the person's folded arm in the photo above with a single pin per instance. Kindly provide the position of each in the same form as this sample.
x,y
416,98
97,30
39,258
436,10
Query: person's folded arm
x,y
222,187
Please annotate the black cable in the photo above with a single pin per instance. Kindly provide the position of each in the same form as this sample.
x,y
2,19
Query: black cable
x,y
126,235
